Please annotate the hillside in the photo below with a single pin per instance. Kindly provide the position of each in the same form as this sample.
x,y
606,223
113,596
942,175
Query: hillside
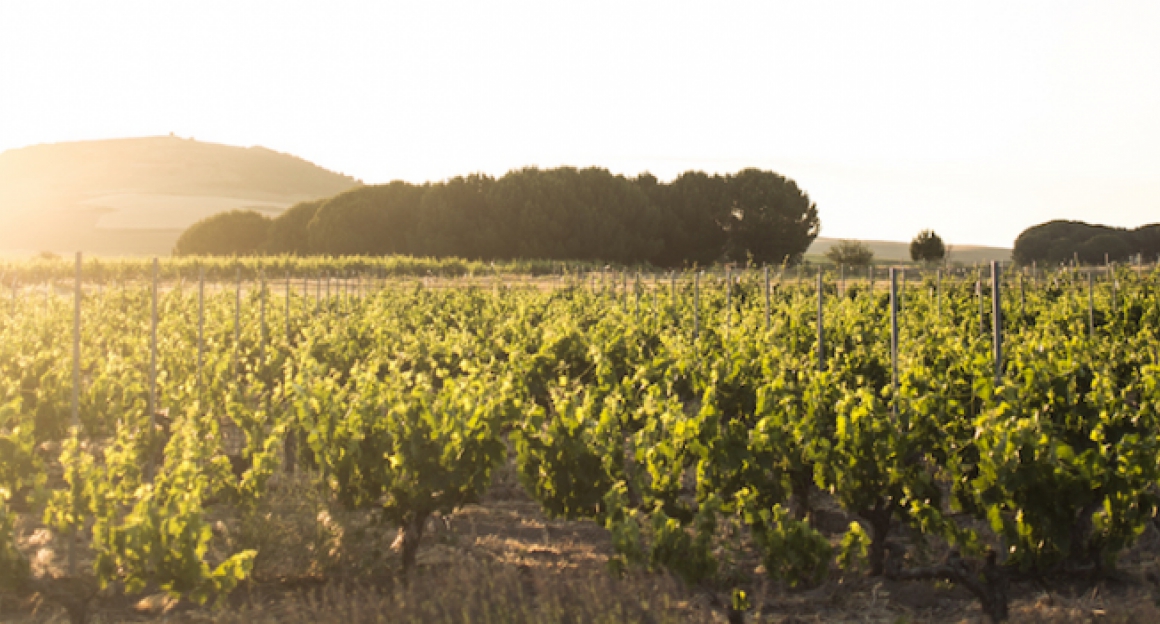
x,y
136,196
889,251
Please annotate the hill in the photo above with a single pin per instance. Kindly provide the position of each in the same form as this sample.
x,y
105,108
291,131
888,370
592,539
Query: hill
x,y
889,251
136,196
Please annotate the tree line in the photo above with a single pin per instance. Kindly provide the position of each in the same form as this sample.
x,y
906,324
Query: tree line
x,y
1060,241
564,213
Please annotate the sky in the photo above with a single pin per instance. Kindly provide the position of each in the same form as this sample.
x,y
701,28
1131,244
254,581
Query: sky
x,y
974,119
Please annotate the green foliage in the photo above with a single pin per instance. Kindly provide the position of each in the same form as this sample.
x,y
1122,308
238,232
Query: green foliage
x,y
1060,241
14,568
399,401
686,551
369,220
233,233
770,220
927,247
562,458
164,537
563,214
854,548
791,550
850,253
288,233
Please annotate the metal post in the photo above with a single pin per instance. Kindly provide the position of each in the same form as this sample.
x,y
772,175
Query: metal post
x,y
76,369
1091,306
894,339
287,307
979,295
997,320
200,324
237,319
767,297
153,350
938,294
262,316
696,304
636,291
728,298
1022,294
76,395
1115,291
821,330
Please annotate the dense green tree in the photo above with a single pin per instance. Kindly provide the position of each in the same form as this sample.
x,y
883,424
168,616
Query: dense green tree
x,y
770,220
927,247
850,253
288,234
571,213
234,233
563,213
371,220
695,211
1061,241
455,219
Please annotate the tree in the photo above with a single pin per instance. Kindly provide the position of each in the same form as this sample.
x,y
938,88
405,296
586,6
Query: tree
x,y
695,209
233,233
369,220
850,253
287,233
927,247
1059,241
770,220
563,213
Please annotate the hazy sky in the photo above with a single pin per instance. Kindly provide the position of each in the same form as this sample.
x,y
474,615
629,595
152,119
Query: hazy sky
x,y
976,119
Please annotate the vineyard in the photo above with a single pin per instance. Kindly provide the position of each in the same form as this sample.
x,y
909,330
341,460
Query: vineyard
x,y
978,429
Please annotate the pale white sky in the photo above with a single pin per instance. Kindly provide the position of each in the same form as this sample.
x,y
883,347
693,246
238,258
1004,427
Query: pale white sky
x,y
977,119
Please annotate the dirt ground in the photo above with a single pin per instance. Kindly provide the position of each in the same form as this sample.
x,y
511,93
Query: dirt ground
x,y
503,561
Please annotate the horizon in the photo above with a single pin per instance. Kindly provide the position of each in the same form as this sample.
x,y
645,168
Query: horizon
x,y
976,121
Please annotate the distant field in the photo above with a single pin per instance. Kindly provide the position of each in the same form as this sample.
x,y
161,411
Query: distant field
x,y
154,211
889,251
